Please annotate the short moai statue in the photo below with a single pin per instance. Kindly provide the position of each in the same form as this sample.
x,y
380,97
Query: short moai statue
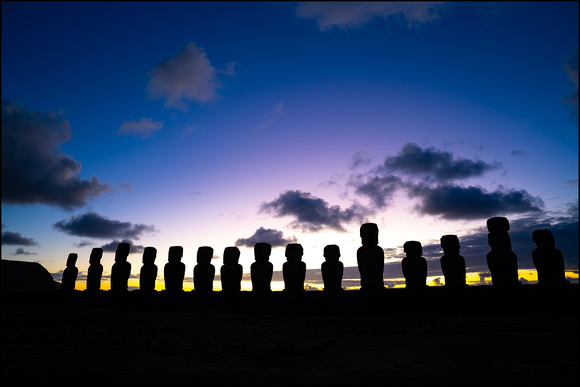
x,y
121,270
414,266
262,269
501,260
548,260
370,259
231,271
204,271
294,269
70,273
332,269
174,270
95,271
148,273
452,263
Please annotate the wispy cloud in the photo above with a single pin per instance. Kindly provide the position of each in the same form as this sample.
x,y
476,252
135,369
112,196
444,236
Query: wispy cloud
x,y
141,129
268,119
93,225
274,237
571,68
35,170
21,251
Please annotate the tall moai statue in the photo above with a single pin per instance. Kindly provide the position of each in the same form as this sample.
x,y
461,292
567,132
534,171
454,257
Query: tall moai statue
x,y
548,260
294,269
262,269
148,273
501,260
414,266
174,270
332,269
70,273
370,258
452,263
231,271
121,270
95,271
204,271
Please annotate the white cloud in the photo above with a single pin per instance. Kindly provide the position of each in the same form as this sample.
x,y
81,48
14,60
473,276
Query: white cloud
x,y
142,128
187,77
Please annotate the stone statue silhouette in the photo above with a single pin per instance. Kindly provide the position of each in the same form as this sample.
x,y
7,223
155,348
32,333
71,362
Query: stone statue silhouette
x,y
204,271
95,271
148,273
121,270
548,260
262,269
501,260
452,263
70,273
294,269
231,271
174,270
414,266
332,269
370,258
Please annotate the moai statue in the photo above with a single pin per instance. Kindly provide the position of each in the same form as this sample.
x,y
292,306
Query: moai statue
x,y
501,260
95,270
548,260
174,270
231,271
414,266
332,269
452,263
121,270
69,275
204,271
370,258
294,269
261,271
148,273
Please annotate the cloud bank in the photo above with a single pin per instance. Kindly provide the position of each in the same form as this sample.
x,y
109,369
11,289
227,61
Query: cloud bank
x,y
93,225
35,170
274,237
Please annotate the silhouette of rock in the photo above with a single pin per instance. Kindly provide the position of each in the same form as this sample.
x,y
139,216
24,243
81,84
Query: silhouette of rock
x,y
452,263
69,275
294,269
174,270
414,266
332,269
148,273
370,259
231,271
204,271
548,260
121,270
501,260
262,269
95,271
19,276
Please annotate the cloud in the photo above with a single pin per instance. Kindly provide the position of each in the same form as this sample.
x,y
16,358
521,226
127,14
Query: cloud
x,y
344,15
360,158
141,129
230,70
434,164
274,237
312,213
21,251
35,170
571,68
189,77
379,189
93,225
16,239
276,111
112,247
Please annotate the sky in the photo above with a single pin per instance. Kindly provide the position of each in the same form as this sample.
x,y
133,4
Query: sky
x,y
226,124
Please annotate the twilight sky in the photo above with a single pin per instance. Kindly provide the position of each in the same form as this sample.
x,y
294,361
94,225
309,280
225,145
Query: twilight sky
x,y
226,124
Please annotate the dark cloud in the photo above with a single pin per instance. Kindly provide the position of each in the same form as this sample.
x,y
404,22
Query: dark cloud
x,y
379,189
274,237
312,213
15,238
455,202
21,251
112,247
434,164
93,225
34,168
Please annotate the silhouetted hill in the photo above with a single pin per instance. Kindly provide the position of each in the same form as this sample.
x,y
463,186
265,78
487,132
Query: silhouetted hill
x,y
19,276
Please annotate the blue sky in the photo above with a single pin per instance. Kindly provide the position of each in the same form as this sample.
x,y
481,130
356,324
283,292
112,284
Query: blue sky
x,y
220,124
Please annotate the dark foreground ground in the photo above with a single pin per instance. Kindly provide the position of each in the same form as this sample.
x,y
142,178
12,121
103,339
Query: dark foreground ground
x,y
481,336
